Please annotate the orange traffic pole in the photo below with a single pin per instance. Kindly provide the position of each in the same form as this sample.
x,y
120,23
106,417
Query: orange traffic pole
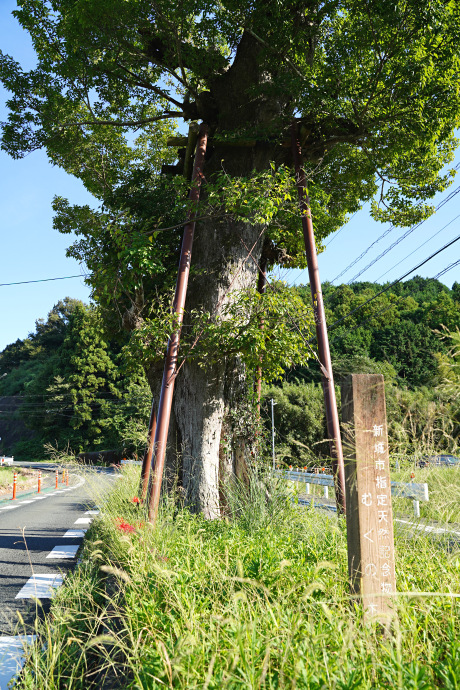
x,y
63,477
39,482
15,481
57,479
67,477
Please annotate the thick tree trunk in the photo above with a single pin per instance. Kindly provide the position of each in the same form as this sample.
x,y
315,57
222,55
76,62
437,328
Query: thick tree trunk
x,y
220,266
204,394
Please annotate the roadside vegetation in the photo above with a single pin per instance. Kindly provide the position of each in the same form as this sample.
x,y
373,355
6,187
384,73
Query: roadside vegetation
x,y
74,384
26,479
256,600
443,490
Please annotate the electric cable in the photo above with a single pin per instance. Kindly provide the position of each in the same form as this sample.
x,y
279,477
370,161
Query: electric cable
x,y
392,246
353,311
389,306
395,282
416,250
42,280
391,228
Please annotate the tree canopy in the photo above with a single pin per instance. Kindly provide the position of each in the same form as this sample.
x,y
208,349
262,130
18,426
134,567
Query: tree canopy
x,y
371,84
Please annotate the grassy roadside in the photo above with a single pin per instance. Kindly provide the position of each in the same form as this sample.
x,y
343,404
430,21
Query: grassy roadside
x,y
27,478
259,601
443,490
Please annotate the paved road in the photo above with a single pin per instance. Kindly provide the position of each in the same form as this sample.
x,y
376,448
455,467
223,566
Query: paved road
x,y
30,529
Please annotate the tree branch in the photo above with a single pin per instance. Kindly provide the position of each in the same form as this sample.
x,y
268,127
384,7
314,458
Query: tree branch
x,y
141,82
123,123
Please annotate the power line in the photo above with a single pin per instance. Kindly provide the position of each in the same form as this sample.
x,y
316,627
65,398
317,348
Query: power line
x,y
390,229
42,280
389,306
400,239
419,247
385,289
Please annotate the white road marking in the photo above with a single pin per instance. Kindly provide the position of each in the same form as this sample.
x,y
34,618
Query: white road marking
x,y
428,528
23,503
92,512
10,507
12,656
65,551
75,533
40,586
83,521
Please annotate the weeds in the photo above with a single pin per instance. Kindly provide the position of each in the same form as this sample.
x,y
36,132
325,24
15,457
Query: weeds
x,y
257,600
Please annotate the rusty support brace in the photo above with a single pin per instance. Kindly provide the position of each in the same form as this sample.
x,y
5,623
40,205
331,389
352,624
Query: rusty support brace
x,y
261,287
167,385
148,454
332,417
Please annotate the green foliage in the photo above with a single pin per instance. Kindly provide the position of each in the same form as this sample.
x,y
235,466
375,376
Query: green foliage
x,y
410,348
234,332
103,69
246,602
67,384
300,423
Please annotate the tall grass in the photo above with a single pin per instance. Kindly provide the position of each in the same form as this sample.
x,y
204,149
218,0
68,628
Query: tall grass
x,y
256,600
443,492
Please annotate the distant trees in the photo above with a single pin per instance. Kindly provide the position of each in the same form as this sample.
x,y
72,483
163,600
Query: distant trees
x,y
70,387
73,385
398,334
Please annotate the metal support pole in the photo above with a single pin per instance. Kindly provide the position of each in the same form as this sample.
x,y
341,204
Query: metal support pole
x,y
147,459
332,417
167,385
261,288
273,432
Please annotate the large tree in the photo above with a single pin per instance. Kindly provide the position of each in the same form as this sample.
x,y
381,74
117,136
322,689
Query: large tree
x,y
371,83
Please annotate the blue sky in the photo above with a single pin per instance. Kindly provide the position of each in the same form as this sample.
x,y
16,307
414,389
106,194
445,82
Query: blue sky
x,y
32,250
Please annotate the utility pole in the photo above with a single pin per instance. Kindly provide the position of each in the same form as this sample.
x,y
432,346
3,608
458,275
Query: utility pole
x,y
273,403
172,353
332,417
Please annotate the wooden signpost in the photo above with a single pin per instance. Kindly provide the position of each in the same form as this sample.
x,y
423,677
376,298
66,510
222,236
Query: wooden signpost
x,y
371,563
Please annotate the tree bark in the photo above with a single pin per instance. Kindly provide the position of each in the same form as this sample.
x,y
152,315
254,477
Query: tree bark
x,y
221,266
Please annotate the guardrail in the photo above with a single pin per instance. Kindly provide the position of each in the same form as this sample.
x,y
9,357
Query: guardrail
x,y
412,491
5,460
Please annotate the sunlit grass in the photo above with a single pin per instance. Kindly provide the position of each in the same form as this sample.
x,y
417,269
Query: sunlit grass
x,y
257,600
26,478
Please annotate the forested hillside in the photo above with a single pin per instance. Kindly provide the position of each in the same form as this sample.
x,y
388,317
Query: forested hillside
x,y
68,385
401,333
65,385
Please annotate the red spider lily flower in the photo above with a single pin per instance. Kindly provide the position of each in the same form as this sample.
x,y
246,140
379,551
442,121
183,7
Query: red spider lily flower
x,y
135,500
124,526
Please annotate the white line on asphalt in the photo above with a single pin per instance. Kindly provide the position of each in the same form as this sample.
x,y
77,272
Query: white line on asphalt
x,y
75,533
92,512
40,586
65,551
428,528
83,521
23,503
9,507
12,656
